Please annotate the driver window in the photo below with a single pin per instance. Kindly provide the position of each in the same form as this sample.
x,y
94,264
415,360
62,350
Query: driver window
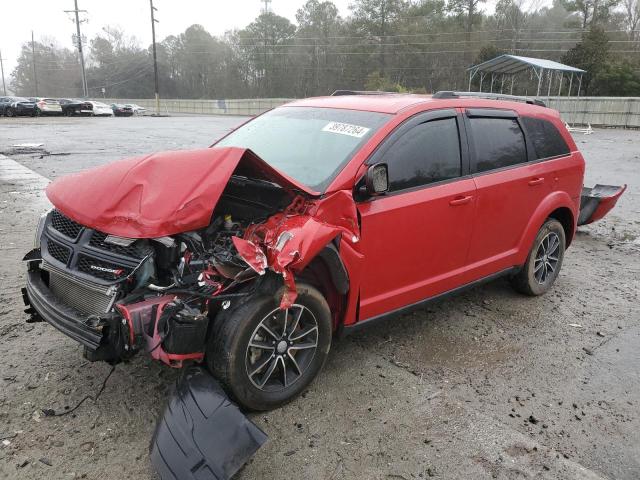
x,y
428,153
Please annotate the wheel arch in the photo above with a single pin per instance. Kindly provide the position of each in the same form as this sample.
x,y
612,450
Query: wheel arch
x,y
558,205
327,272
567,219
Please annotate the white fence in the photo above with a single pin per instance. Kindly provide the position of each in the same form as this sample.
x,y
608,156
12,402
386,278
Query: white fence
x,y
236,106
598,111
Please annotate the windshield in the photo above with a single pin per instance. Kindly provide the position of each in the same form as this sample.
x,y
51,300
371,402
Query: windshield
x,y
309,144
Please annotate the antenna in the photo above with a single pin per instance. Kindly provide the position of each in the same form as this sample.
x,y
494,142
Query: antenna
x,y
267,6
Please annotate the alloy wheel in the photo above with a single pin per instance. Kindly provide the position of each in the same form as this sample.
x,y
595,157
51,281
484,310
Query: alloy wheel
x,y
281,348
546,260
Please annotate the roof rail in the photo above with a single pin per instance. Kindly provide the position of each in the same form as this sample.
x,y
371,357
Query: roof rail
x,y
489,96
339,93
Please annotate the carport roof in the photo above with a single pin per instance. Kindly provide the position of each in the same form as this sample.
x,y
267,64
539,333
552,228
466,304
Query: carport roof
x,y
514,64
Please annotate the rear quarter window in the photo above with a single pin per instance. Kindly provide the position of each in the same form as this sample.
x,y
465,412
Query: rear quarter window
x,y
547,140
497,142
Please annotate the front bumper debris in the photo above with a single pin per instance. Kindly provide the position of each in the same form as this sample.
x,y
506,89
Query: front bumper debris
x,y
201,434
68,320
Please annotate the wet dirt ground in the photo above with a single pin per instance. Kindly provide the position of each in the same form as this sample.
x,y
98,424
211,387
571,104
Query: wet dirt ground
x,y
488,384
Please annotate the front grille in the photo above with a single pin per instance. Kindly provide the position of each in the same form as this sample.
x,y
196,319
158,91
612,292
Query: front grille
x,y
90,299
98,241
57,251
101,269
65,225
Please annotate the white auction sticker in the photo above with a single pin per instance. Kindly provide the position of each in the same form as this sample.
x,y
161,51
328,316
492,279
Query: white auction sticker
x,y
346,129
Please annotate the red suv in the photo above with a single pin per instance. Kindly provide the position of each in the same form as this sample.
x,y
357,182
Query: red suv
x,y
316,217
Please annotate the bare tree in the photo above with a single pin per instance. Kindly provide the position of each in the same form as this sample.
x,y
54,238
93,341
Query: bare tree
x,y
632,18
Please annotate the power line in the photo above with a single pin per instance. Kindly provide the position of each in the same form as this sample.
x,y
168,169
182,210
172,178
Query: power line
x,y
85,89
33,61
4,86
155,59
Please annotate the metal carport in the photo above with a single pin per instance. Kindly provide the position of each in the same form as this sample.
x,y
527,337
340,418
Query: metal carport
x,y
506,67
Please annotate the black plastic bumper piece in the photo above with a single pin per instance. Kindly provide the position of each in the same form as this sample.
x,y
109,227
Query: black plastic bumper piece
x,y
68,320
202,435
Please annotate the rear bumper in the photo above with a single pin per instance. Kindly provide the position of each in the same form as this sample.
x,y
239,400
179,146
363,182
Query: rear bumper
x,y
68,320
596,202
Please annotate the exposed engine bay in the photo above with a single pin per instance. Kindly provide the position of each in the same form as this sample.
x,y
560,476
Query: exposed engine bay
x,y
160,293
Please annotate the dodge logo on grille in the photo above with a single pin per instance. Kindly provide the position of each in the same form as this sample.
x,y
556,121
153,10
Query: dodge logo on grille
x,y
115,271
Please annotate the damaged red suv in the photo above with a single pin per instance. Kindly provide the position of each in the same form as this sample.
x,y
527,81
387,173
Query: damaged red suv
x,y
314,218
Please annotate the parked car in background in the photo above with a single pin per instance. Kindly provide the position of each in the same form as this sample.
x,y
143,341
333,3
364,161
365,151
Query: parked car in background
x,y
46,106
100,109
137,109
13,106
71,106
120,110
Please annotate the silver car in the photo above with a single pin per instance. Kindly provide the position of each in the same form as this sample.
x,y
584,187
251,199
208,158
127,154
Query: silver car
x,y
47,106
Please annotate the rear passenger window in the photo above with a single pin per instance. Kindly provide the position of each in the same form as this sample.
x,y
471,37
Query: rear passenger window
x,y
498,142
429,152
545,137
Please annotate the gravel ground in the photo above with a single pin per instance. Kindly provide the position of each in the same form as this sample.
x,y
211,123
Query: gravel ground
x,y
489,384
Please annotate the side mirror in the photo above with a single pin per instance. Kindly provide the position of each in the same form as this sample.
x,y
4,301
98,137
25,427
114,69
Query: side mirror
x,y
377,179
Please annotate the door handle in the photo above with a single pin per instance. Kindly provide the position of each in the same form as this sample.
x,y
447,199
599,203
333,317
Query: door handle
x,y
536,181
460,200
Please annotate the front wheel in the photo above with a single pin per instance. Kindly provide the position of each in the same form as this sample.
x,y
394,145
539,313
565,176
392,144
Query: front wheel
x,y
9,112
266,356
544,261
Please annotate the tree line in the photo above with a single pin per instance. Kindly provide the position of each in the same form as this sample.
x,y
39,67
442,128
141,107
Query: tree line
x,y
398,45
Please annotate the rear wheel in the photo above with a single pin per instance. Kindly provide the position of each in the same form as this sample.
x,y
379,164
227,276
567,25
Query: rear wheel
x,y
266,356
9,112
544,261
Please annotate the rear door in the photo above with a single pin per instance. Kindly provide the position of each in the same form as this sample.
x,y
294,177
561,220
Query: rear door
x,y
510,186
415,238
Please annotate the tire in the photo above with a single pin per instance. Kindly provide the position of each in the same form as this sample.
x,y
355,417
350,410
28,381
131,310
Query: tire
x,y
544,261
9,112
237,365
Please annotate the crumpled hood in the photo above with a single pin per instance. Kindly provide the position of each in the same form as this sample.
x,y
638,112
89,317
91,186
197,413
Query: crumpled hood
x,y
159,194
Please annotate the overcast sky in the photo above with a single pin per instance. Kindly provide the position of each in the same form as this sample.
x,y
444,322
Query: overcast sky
x,y
49,21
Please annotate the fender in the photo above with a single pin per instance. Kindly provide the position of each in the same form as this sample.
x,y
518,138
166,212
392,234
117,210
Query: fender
x,y
288,241
552,202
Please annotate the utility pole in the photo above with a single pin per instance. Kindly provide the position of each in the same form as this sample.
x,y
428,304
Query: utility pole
x,y
4,86
33,60
85,89
155,58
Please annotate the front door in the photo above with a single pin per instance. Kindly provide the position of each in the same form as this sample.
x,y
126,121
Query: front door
x,y
416,237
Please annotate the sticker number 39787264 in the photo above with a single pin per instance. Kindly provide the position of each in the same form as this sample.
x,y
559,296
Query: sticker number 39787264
x,y
346,129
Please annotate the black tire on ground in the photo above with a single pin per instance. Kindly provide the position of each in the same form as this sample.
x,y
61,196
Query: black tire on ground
x,y
544,261
9,112
283,347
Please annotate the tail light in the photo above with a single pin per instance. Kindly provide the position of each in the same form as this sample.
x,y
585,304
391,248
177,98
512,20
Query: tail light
x,y
41,104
